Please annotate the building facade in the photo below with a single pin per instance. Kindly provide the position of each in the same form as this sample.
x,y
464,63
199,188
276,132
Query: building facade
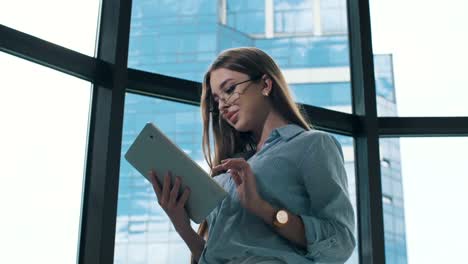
x,y
309,41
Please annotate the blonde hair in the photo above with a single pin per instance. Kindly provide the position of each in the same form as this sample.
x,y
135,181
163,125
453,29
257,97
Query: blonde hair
x,y
229,142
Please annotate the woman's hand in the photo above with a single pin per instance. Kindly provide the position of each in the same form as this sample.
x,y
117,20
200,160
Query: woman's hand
x,y
168,200
245,181
216,170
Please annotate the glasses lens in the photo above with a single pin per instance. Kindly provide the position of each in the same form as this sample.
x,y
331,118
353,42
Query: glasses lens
x,y
233,97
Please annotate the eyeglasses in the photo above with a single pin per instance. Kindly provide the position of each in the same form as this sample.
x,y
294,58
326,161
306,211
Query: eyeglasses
x,y
227,95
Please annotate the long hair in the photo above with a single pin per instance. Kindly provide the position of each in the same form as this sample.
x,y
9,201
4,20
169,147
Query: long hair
x,y
228,142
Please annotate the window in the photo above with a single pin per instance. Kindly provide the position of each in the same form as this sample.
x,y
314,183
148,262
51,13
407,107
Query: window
x,y
294,16
44,139
425,73
418,64
246,16
144,232
429,195
51,20
185,43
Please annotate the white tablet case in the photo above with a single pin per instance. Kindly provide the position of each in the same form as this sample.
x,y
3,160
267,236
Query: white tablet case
x,y
153,150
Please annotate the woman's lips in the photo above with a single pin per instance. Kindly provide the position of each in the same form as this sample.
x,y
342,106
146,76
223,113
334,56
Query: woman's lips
x,y
233,117
229,115
231,112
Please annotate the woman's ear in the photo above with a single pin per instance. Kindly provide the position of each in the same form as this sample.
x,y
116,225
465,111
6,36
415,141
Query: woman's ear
x,y
267,84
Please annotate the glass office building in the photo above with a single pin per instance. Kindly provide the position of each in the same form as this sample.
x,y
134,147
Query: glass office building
x,y
309,41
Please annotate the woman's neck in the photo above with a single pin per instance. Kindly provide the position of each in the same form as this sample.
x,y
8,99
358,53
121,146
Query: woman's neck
x,y
273,121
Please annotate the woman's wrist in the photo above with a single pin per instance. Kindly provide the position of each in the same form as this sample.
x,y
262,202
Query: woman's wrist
x,y
184,230
294,231
265,211
193,240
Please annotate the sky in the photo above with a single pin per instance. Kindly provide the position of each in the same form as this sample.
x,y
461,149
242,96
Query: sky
x,y
428,41
45,113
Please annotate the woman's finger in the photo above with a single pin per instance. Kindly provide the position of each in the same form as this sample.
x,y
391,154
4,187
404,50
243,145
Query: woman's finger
x,y
184,198
165,191
235,176
242,168
155,183
217,169
174,193
237,163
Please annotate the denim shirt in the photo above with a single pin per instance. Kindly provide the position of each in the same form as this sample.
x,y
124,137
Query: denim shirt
x,y
302,171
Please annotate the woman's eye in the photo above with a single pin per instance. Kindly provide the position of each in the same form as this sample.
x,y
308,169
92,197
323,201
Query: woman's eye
x,y
230,89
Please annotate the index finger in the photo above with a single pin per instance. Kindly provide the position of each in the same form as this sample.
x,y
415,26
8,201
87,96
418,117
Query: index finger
x,y
238,163
217,168
155,183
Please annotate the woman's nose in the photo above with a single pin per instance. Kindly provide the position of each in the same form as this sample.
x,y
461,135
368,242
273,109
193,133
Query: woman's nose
x,y
222,106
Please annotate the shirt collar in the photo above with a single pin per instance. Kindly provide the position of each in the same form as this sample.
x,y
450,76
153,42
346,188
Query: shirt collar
x,y
287,132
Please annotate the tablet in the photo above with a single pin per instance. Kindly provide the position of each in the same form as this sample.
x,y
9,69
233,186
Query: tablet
x,y
153,150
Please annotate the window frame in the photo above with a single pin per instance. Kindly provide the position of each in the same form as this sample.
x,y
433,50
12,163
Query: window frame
x,y
112,78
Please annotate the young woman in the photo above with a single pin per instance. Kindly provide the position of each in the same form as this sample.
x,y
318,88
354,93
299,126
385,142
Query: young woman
x,y
288,196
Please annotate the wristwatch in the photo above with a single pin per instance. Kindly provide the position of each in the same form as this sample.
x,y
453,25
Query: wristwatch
x,y
281,218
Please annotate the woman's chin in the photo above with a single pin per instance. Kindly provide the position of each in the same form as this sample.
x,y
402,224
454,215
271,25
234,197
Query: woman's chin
x,y
239,126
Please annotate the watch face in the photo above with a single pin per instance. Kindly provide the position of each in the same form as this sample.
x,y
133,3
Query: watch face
x,y
282,217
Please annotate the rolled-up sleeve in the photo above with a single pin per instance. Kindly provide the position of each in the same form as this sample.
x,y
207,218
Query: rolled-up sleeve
x,y
329,222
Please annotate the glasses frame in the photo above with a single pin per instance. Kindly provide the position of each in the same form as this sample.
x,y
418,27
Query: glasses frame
x,y
214,107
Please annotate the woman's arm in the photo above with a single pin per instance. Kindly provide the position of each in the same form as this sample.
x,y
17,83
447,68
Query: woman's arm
x,y
293,231
327,228
194,241
329,223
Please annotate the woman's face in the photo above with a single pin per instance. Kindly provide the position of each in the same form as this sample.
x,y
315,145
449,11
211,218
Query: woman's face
x,y
243,106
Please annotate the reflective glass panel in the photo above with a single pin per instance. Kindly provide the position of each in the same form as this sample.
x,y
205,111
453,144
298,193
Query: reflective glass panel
x,y
44,115
71,24
308,39
424,183
144,232
421,64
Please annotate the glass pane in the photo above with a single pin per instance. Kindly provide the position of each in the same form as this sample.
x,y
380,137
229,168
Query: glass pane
x,y
307,38
44,117
424,194
423,66
294,16
246,16
393,201
144,233
71,24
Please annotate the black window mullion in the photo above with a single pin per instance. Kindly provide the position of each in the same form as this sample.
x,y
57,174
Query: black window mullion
x,y
368,178
423,126
97,234
34,49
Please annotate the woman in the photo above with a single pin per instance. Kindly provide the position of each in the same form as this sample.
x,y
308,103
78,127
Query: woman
x,y
288,200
